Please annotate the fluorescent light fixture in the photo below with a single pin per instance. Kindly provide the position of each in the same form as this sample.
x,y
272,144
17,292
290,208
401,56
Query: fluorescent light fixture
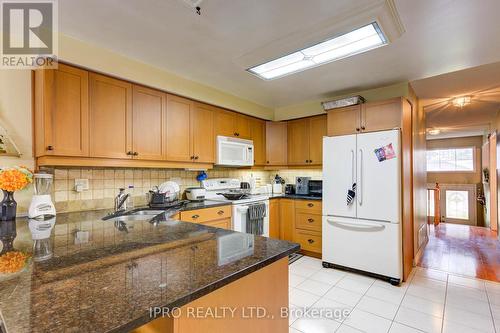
x,y
434,131
357,41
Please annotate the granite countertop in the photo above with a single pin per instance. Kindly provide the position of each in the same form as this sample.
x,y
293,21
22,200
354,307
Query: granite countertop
x,y
193,205
104,276
294,196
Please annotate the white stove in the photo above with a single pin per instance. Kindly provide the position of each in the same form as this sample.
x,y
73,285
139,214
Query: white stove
x,y
240,207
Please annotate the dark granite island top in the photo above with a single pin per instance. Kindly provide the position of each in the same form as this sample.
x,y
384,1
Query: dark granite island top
x,y
105,275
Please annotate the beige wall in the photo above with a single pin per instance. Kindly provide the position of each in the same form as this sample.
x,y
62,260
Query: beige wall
x,y
457,177
314,107
420,230
15,116
96,58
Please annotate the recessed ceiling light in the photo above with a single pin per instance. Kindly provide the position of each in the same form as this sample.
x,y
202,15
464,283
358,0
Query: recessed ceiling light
x,y
461,101
357,41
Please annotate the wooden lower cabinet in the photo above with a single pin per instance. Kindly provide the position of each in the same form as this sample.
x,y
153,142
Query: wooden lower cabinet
x,y
265,288
219,217
297,220
274,218
308,240
287,218
308,225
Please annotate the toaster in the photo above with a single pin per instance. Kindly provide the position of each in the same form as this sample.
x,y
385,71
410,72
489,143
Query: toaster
x,y
195,193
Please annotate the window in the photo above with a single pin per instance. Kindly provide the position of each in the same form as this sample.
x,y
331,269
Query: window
x,y
457,159
357,41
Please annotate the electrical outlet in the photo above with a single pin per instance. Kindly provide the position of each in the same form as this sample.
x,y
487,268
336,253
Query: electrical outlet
x,y
81,185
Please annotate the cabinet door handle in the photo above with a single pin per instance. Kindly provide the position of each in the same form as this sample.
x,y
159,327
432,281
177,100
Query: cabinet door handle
x,y
220,212
363,128
196,157
310,161
195,216
310,220
310,241
50,147
310,205
136,153
357,129
130,153
267,162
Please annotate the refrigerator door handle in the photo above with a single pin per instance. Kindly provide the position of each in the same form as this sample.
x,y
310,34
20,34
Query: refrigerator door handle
x,y
352,166
357,226
360,178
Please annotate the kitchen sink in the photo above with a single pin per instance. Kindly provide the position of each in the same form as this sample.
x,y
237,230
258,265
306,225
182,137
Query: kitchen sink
x,y
133,215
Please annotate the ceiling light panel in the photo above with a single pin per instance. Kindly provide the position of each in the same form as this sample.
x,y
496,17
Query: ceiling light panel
x,y
355,42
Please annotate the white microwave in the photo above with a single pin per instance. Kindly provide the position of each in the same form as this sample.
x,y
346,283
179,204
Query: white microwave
x,y
234,151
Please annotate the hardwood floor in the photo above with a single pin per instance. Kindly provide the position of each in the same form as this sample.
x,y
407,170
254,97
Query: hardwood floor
x,y
464,250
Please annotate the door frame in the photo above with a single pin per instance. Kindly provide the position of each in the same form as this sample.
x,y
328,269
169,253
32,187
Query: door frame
x,y
471,188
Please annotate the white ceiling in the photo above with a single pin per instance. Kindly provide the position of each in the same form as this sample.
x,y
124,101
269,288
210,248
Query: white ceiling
x,y
441,36
482,83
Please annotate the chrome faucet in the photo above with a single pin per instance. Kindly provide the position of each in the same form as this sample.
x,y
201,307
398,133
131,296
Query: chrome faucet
x,y
121,201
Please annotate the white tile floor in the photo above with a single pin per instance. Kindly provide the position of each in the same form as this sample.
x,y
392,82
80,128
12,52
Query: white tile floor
x,y
431,301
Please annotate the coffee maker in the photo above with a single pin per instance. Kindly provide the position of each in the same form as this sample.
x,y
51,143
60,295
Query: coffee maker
x,y
302,185
41,206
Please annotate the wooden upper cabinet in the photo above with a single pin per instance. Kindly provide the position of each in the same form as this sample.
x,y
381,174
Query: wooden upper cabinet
x,y
202,129
179,145
298,142
258,135
62,112
344,121
228,123
317,130
110,117
276,143
224,123
242,126
381,115
305,140
367,117
148,123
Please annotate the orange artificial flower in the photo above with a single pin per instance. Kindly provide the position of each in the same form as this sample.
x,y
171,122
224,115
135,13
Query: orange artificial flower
x,y
15,178
12,262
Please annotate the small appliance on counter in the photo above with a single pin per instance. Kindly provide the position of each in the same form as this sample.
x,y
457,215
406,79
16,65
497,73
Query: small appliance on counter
x,y
289,189
316,188
195,193
164,195
302,185
278,183
41,206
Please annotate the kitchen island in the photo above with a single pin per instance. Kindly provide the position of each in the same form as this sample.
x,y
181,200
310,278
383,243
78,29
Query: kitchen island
x,y
148,276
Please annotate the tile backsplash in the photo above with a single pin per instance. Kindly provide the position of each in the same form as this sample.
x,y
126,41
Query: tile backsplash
x,y
105,182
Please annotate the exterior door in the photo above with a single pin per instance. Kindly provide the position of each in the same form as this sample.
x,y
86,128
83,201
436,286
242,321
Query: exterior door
x,y
148,124
458,204
339,174
378,178
110,117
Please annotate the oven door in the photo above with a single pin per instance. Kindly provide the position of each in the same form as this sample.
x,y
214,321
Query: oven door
x,y
234,152
240,214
